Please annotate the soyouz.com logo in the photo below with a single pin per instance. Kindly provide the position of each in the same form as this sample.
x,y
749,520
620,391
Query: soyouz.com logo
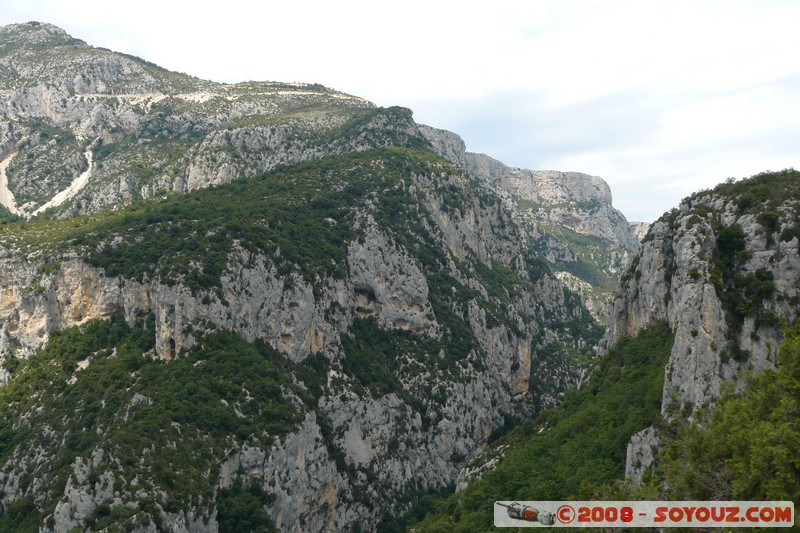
x,y
653,514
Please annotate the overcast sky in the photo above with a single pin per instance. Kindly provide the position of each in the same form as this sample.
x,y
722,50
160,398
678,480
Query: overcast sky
x,y
659,98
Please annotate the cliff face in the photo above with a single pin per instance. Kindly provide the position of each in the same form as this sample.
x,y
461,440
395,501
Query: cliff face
x,y
723,270
567,216
406,315
386,284
571,199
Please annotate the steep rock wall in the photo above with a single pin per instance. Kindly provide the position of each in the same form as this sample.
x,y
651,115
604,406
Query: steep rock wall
x,y
572,199
463,260
723,283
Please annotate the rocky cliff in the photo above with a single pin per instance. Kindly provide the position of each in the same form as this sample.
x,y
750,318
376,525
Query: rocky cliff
x,y
723,270
385,287
384,311
568,218
640,229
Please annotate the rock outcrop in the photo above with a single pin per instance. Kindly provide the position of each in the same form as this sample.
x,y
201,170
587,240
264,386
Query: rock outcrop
x,y
640,229
723,270
578,201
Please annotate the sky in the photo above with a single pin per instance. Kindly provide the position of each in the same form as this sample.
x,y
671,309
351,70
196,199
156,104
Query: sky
x,y
658,98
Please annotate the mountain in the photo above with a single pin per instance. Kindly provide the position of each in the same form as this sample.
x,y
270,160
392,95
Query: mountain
x,y
694,393
235,307
723,271
90,130
119,129
566,216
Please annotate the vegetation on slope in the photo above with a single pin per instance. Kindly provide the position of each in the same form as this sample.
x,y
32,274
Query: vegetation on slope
x,y
49,159
591,256
745,448
742,449
300,216
571,450
7,216
174,134
163,427
764,188
763,196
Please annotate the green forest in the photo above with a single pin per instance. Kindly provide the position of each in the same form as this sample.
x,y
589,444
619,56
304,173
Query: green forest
x,y
128,403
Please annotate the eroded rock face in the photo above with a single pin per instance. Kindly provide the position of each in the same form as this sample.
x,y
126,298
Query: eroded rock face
x,y
578,201
304,479
137,132
640,229
384,282
676,277
641,453
567,216
299,469
383,433
387,284
572,199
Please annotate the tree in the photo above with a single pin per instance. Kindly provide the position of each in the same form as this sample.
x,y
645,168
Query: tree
x,y
748,449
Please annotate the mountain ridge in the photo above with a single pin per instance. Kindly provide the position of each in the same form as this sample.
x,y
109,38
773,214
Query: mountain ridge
x,y
121,111
568,217
408,314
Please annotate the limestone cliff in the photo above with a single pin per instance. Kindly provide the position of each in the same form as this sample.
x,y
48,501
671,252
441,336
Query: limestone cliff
x,y
568,217
723,270
385,283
